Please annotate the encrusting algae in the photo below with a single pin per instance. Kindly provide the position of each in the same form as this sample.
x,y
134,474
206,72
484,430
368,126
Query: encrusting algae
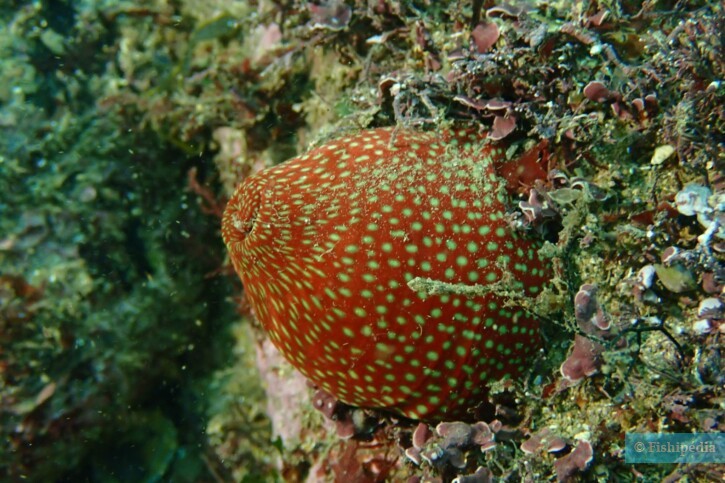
x,y
338,249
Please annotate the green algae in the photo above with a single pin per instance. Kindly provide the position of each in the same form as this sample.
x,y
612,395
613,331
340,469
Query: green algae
x,y
108,333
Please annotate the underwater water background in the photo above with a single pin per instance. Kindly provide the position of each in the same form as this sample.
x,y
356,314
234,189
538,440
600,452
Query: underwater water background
x,y
128,351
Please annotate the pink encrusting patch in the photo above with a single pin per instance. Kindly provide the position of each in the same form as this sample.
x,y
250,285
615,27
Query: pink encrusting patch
x,y
327,242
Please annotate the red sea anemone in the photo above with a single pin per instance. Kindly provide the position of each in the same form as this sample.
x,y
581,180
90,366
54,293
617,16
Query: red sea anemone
x,y
337,246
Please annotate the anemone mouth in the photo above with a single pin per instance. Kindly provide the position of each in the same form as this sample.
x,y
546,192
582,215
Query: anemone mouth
x,y
248,225
241,213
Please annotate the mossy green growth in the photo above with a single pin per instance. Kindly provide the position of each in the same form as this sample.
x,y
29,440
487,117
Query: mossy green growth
x,y
121,323
110,327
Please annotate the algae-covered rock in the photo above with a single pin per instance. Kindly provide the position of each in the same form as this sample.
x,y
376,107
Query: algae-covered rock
x,y
676,278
